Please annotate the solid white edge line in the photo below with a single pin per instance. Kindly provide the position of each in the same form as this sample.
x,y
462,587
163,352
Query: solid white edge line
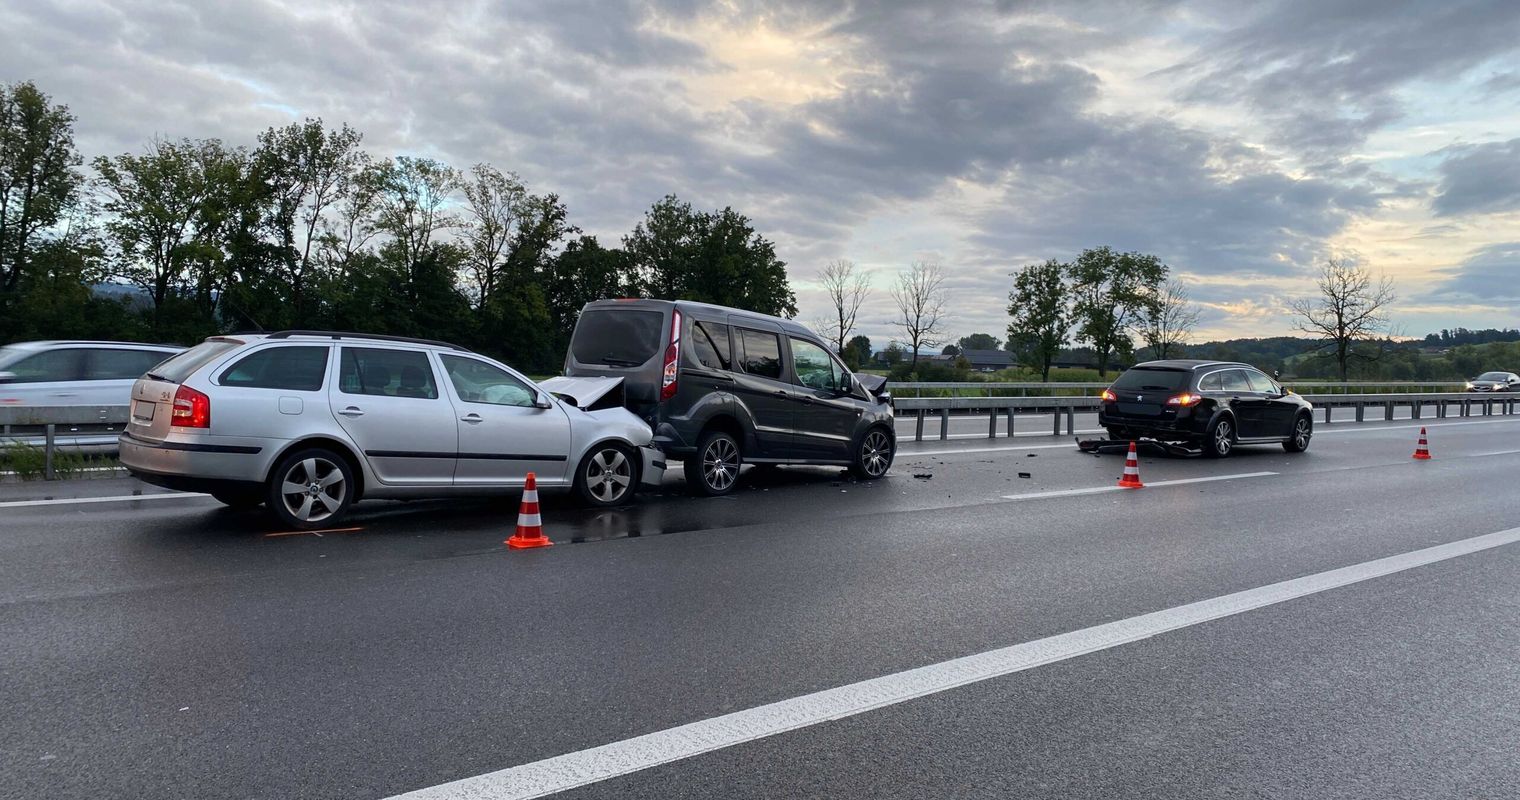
x,y
121,498
571,770
1116,488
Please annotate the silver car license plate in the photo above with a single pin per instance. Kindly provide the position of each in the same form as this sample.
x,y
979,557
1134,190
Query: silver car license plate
x,y
142,411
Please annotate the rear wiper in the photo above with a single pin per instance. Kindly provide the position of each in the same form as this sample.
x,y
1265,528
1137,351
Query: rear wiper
x,y
619,362
157,377
1162,388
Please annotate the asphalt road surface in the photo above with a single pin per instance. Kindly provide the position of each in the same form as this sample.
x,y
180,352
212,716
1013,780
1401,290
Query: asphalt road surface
x,y
1341,623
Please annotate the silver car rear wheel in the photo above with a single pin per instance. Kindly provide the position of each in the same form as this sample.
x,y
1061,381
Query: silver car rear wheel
x,y
310,489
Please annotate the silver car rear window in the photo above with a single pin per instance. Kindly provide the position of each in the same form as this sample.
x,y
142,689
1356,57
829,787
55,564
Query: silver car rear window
x,y
182,366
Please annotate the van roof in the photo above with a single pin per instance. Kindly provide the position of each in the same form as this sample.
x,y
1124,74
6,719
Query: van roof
x,y
698,310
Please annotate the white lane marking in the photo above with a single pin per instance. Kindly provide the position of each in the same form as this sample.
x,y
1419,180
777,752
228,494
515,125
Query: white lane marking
x,y
122,498
1116,488
560,773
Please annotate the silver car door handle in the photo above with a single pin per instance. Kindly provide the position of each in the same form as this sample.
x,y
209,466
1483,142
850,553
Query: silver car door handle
x,y
352,411
471,418
65,394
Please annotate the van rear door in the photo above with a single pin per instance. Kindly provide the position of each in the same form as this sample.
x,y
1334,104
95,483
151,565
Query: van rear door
x,y
622,340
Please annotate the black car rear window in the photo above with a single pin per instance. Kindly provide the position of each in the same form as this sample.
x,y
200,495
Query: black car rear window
x,y
1168,380
617,337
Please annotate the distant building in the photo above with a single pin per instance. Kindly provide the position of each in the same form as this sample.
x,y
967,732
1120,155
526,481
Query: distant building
x,y
979,360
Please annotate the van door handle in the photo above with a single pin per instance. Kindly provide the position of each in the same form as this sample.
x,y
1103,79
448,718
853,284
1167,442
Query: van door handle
x,y
780,393
471,417
352,411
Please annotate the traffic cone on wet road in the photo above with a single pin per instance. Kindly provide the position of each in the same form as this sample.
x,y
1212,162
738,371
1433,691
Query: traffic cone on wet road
x,y
1422,450
1131,477
530,527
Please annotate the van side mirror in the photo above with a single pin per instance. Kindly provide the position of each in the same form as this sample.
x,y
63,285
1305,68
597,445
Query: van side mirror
x,y
1277,374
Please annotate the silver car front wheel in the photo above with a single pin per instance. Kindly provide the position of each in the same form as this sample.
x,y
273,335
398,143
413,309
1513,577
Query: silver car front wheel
x,y
607,476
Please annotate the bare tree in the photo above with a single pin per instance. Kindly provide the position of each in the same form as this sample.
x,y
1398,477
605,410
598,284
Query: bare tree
x,y
847,290
1351,310
920,298
1169,320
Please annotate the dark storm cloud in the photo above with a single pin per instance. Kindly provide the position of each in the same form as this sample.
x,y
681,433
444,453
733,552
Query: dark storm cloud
x,y
1490,275
1324,72
1479,179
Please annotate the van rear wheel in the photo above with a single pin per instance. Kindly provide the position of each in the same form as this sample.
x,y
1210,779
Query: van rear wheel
x,y
714,470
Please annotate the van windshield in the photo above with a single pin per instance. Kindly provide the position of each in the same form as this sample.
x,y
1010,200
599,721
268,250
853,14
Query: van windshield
x,y
617,337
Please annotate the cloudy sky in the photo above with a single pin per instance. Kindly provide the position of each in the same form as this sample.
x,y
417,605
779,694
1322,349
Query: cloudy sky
x,y
1240,142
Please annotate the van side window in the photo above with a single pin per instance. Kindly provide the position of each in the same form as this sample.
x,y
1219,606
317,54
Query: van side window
x,y
710,344
761,353
814,368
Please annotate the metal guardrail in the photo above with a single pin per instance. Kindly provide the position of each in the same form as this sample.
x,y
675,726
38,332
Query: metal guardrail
x,y
50,419
1058,407
1094,387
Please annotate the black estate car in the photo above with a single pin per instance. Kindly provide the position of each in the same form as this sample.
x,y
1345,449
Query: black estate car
x,y
1214,404
723,387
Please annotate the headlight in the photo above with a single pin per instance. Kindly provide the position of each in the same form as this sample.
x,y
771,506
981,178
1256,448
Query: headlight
x,y
1469,384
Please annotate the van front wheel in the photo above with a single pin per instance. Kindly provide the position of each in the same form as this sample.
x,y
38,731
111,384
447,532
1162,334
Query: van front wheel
x,y
714,469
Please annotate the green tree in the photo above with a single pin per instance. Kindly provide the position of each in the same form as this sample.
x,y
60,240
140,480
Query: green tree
x,y
893,354
497,205
708,257
1168,320
307,170
1040,312
1110,290
583,272
980,341
412,202
39,179
857,352
163,210
1349,318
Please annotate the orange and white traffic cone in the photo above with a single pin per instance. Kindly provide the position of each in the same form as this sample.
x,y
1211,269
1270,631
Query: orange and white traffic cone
x,y
530,526
1131,477
1422,450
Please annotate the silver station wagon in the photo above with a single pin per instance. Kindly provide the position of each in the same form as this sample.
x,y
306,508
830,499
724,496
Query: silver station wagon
x,y
309,422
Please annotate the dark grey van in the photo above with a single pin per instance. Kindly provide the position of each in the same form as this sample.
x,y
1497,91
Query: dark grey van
x,y
723,387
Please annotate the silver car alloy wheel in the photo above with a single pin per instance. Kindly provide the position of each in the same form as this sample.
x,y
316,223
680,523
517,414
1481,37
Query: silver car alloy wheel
x,y
876,454
313,489
1222,441
609,474
720,464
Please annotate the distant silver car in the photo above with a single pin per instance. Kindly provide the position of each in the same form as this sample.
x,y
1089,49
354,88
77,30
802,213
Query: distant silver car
x,y
309,422
1495,382
75,373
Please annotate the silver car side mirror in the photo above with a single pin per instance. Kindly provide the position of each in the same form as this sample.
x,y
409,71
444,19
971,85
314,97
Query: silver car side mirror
x,y
542,401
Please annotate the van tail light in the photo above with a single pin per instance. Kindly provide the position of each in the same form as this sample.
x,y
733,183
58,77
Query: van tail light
x,y
1109,396
1185,400
672,358
192,409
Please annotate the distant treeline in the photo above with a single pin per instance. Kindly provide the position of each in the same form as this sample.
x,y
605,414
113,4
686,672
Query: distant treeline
x,y
305,229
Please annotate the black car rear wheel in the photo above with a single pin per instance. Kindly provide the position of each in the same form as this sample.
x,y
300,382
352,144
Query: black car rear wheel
x,y
714,469
1220,439
1303,430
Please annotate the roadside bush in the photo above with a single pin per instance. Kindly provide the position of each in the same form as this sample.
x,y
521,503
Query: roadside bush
x,y
29,462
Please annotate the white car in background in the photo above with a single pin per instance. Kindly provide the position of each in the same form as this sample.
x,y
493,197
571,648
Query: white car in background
x,y
75,373
309,422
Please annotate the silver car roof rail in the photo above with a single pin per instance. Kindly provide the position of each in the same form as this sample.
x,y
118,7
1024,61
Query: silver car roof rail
x,y
375,336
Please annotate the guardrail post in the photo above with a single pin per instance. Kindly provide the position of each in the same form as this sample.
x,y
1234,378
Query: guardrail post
x,y
1388,411
1057,415
991,423
1360,409
1327,413
1466,407
1071,420
1488,407
47,452
944,423
1414,408
918,433
1009,412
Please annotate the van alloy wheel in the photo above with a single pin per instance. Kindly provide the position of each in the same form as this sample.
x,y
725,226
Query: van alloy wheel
x,y
875,456
720,464
312,489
